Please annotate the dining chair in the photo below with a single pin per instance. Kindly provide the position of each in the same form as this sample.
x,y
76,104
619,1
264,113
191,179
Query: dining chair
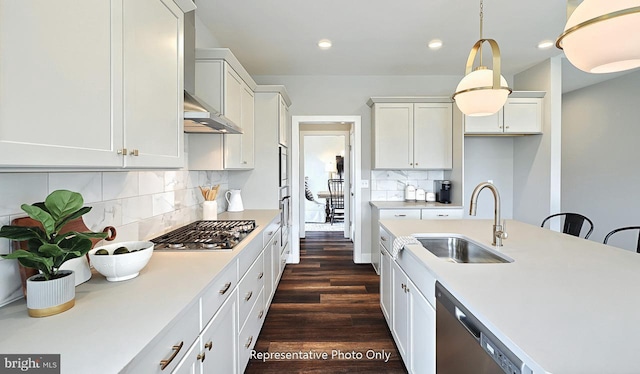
x,y
573,223
336,199
637,228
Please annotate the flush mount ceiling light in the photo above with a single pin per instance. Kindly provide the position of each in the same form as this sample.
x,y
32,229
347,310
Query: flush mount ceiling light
x,y
546,44
603,36
435,44
324,44
482,91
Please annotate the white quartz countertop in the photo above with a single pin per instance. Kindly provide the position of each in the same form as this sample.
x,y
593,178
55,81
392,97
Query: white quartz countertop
x,y
412,205
111,322
565,305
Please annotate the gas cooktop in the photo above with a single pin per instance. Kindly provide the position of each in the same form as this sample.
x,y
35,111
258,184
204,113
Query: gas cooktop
x,y
205,235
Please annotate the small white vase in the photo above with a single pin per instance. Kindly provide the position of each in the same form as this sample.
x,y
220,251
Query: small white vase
x,y
210,210
46,298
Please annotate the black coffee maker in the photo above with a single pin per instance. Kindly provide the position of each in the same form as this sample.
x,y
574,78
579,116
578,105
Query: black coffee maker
x,y
442,188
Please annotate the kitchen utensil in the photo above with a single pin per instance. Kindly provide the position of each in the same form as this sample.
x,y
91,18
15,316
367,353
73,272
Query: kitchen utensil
x,y
210,210
420,194
410,193
234,200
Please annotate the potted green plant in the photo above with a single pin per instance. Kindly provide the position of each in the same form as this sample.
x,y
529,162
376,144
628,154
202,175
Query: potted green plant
x,y
52,291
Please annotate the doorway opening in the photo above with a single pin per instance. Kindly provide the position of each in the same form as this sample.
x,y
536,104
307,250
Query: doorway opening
x,y
306,132
325,165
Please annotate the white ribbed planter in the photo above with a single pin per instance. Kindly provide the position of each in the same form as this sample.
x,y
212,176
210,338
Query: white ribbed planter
x,y
46,298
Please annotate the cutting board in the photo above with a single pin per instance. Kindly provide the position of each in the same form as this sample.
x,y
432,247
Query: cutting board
x,y
79,265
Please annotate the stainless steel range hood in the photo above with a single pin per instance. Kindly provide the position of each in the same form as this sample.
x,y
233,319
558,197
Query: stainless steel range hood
x,y
199,117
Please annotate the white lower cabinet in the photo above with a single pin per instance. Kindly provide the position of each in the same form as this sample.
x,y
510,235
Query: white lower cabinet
x,y
442,214
385,282
215,349
413,324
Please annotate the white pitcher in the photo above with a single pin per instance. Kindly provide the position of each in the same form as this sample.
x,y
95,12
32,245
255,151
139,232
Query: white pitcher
x,y
234,201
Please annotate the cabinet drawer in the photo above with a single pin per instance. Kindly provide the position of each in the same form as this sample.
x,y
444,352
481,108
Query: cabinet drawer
x,y
270,231
385,238
283,260
248,256
442,214
249,288
218,291
399,213
171,345
249,334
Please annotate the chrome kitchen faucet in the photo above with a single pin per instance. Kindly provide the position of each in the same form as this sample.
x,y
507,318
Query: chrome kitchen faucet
x,y
499,230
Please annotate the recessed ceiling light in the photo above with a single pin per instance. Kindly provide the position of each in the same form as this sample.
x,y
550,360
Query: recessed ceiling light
x,y
435,44
324,44
546,44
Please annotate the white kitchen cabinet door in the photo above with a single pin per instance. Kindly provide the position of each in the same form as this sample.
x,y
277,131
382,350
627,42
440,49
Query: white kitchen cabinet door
x,y
239,148
433,136
219,340
442,214
60,94
232,99
519,116
385,283
153,83
399,213
400,313
393,136
422,331
523,115
483,124
190,363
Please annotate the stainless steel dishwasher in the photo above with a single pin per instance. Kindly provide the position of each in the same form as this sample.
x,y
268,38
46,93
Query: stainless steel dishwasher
x,y
464,345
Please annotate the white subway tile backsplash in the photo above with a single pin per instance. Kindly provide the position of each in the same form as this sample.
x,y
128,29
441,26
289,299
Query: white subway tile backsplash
x,y
120,185
395,195
150,182
21,188
163,203
187,198
175,180
88,184
108,213
10,283
389,185
137,208
378,195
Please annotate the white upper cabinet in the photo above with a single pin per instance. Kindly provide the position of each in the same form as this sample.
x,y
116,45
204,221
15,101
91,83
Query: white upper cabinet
x,y
224,84
522,114
413,135
153,84
82,81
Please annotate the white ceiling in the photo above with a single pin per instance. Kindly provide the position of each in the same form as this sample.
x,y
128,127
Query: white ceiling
x,y
379,37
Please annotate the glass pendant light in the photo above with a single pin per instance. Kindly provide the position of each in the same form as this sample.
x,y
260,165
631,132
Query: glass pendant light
x,y
603,36
482,91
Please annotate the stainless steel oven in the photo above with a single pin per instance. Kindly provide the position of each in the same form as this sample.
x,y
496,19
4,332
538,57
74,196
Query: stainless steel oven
x,y
284,166
285,215
466,346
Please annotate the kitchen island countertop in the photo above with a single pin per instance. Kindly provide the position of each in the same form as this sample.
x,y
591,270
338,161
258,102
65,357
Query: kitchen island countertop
x,y
112,322
565,305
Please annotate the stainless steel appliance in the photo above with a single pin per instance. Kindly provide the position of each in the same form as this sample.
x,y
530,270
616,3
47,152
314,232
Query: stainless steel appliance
x,y
283,165
466,346
285,215
205,235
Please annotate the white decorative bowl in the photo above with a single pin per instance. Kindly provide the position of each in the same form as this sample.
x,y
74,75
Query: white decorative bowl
x,y
124,266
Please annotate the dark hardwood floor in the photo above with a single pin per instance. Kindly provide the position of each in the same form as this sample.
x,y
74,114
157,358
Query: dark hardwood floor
x,y
326,304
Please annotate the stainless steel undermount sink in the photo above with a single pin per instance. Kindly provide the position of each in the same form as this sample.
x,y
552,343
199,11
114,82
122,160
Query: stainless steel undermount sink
x,y
461,250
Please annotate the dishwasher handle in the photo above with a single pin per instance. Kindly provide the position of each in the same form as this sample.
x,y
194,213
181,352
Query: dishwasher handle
x,y
466,322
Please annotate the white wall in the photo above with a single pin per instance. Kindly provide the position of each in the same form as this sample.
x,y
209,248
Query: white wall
x,y
348,95
600,153
536,163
